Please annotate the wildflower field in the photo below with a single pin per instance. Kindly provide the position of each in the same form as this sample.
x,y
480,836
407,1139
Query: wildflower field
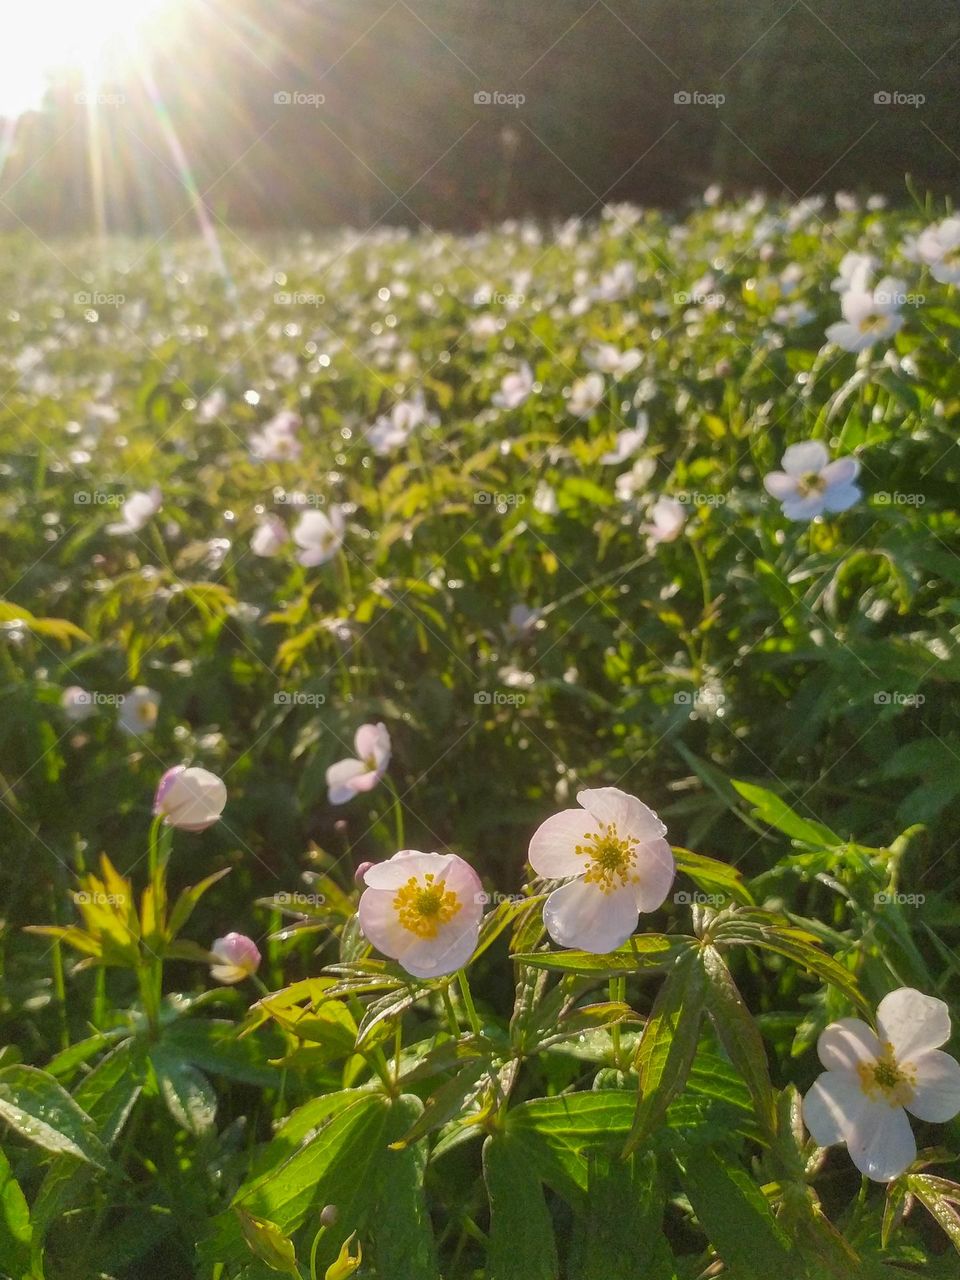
x,y
478,755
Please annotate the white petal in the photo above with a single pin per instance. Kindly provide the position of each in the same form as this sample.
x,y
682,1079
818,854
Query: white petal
x,y
804,508
396,871
630,815
656,868
883,1145
912,1022
581,915
809,455
446,953
845,1043
380,924
848,336
551,852
842,497
372,742
779,485
341,779
841,471
937,1094
833,1107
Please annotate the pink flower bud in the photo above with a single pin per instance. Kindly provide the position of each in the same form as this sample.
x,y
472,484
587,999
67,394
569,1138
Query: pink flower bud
x,y
189,799
236,956
361,871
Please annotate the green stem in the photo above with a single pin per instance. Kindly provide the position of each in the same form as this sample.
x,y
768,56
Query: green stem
x,y
468,1002
397,813
617,990
451,1012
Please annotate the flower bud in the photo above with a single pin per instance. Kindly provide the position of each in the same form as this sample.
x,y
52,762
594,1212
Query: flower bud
x,y
189,799
236,957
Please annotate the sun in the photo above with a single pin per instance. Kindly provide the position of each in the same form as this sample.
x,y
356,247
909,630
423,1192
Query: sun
x,y
96,37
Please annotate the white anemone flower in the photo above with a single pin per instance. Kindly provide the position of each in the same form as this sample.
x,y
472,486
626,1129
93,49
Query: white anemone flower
x,y
614,848
868,317
585,394
545,499
629,441
190,799
939,248
348,778
872,1079
515,388
423,910
810,484
277,440
139,508
855,272
635,481
319,536
77,704
607,358
269,537
667,518
138,710
234,957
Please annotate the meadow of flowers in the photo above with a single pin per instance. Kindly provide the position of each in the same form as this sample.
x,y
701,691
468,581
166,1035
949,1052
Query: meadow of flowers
x,y
478,756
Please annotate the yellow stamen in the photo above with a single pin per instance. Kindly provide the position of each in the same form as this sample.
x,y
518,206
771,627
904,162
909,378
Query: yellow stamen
x,y
423,906
885,1080
611,858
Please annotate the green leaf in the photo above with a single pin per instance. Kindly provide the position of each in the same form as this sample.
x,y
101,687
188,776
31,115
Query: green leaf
x,y
39,1109
777,813
15,1231
736,1218
402,1242
739,1035
711,875
619,1235
941,1199
212,1044
668,1044
521,1244
188,899
642,953
188,1094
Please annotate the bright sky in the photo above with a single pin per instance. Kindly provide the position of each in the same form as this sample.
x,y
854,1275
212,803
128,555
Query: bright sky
x,y
49,34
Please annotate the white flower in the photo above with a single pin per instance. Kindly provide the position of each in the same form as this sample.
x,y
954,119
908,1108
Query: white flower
x,y
393,429
423,910
189,799
521,622
236,957
939,247
628,442
609,359
585,394
319,536
635,481
855,272
515,388
348,778
77,704
873,1079
868,317
616,284
137,510
269,537
811,484
667,518
792,315
614,847
277,440
545,499
138,710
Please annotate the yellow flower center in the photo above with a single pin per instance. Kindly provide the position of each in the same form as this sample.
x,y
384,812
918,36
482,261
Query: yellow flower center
x,y
423,906
610,858
872,323
885,1080
812,482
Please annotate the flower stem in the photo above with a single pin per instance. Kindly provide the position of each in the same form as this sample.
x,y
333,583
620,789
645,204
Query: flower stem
x,y
468,1002
397,813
